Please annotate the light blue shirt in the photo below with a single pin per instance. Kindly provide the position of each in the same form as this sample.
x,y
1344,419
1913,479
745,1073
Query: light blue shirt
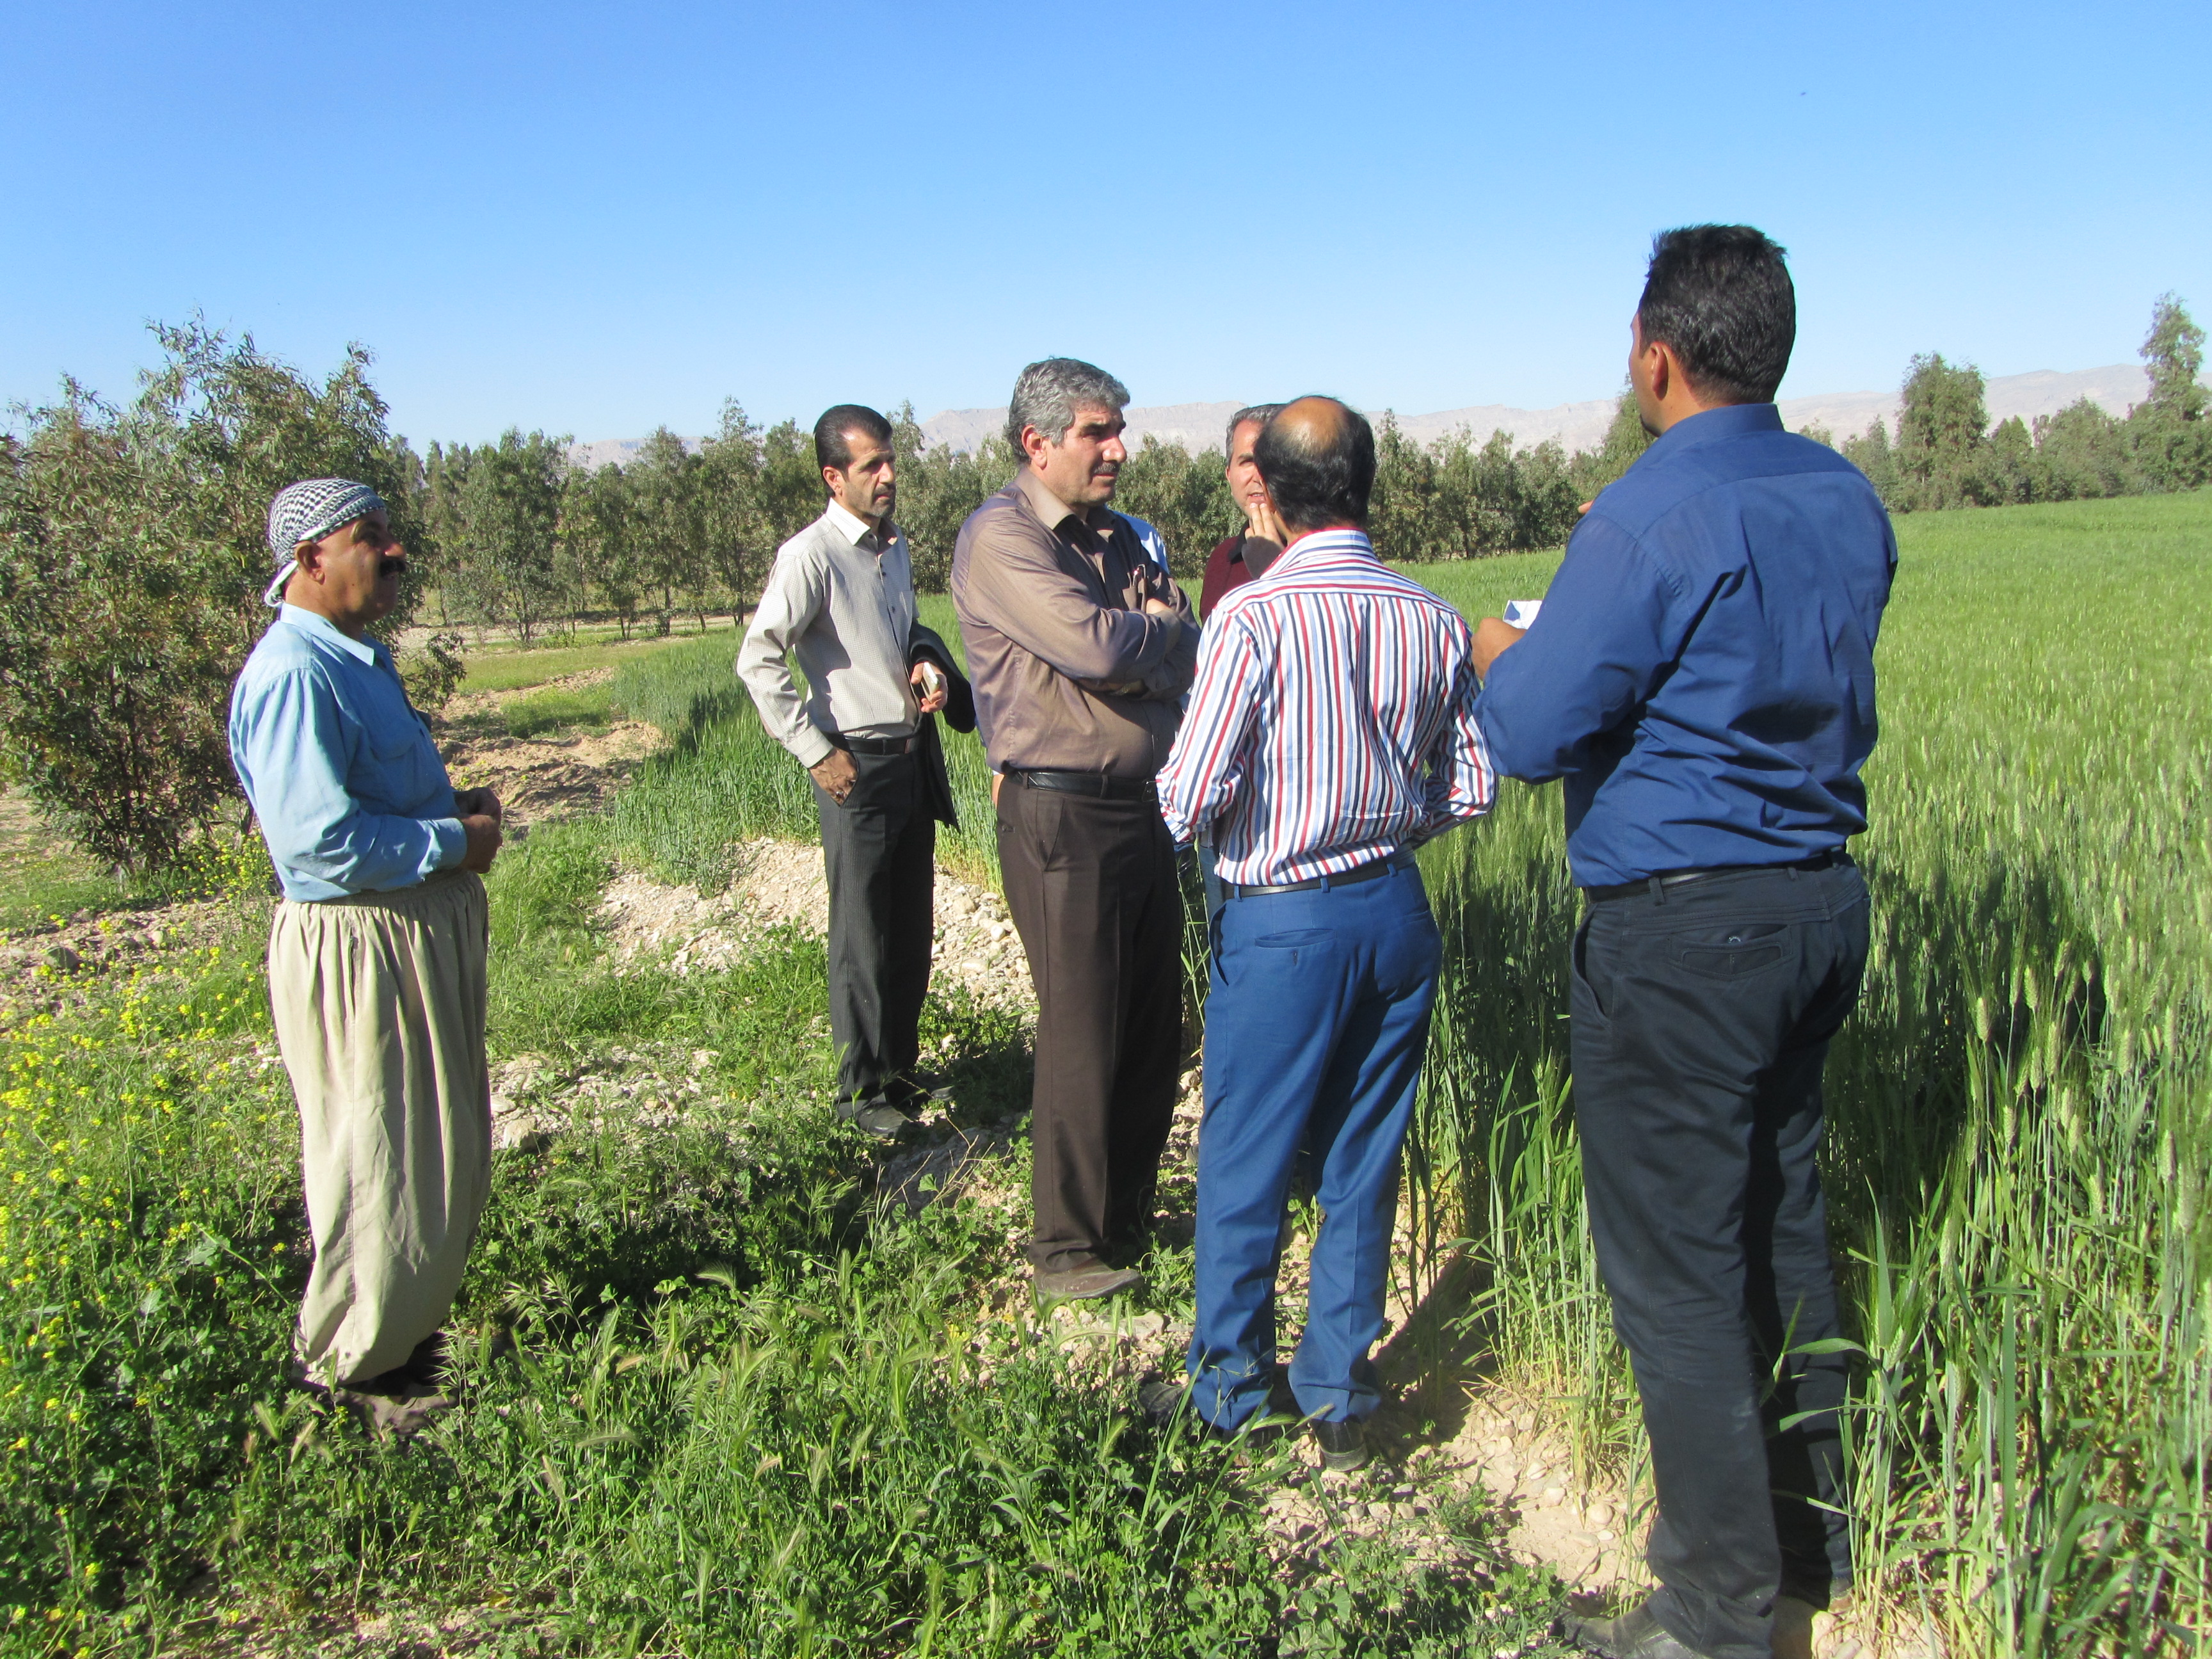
x,y
351,791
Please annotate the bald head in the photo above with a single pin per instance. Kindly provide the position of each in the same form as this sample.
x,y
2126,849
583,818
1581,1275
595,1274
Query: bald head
x,y
1317,459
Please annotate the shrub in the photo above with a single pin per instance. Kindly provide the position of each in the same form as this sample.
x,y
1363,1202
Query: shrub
x,y
131,562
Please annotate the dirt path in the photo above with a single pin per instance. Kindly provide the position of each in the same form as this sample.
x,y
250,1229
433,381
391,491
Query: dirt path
x,y
539,778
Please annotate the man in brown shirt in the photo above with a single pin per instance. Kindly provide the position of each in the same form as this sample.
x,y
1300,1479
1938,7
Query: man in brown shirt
x,y
1081,649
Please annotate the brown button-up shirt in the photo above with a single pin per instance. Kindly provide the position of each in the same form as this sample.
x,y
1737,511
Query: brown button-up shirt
x,y
1070,673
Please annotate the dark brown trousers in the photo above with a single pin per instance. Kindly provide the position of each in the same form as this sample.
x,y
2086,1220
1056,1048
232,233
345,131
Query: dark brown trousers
x,y
1092,885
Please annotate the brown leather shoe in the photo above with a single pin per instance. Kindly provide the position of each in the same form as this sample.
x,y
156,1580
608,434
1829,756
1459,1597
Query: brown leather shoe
x,y
1088,1283
402,1411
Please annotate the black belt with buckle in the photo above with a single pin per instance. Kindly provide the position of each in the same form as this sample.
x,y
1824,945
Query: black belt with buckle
x,y
1097,784
869,745
1656,885
1357,873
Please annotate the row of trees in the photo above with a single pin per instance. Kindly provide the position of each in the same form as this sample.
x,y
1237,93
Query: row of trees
x,y
1946,453
519,538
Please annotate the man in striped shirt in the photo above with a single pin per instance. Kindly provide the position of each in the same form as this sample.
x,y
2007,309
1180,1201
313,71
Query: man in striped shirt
x,y
1331,731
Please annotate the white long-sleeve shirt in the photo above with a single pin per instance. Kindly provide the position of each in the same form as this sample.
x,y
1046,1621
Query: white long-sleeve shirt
x,y
841,599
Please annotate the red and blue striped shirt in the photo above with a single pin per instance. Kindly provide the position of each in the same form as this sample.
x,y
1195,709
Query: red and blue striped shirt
x,y
1332,722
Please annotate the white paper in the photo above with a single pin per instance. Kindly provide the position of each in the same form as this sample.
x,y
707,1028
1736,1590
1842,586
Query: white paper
x,y
1521,612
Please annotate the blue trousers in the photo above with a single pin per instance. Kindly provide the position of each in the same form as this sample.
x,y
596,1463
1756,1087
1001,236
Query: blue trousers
x,y
1316,1018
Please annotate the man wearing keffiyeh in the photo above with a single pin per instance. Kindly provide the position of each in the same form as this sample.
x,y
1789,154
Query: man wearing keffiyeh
x,y
376,956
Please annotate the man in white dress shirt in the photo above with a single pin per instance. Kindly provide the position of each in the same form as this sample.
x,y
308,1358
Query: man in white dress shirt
x,y
841,599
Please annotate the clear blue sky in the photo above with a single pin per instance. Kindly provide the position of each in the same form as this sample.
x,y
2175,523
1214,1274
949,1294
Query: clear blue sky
x,y
596,219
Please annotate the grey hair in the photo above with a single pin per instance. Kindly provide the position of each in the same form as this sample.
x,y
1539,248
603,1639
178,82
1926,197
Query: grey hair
x,y
1259,413
1049,392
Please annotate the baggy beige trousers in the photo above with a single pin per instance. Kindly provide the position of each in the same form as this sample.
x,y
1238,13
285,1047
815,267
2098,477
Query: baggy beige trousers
x,y
380,1006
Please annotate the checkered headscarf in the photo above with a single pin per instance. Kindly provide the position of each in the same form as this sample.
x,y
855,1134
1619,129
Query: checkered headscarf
x,y
307,512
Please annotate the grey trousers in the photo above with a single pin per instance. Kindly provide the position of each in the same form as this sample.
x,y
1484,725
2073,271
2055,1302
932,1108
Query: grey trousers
x,y
880,854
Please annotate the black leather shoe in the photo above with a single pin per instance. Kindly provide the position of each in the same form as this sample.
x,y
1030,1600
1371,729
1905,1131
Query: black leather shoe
x,y
1636,1634
921,1085
878,1118
1343,1445
1163,1398
1091,1282
1160,1398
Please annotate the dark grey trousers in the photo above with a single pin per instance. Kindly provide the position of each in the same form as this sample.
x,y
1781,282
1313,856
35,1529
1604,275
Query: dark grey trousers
x,y
878,851
1092,885
1702,1018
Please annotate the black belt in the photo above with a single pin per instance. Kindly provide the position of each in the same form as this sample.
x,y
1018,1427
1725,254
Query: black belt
x,y
1097,784
1656,884
1357,874
869,745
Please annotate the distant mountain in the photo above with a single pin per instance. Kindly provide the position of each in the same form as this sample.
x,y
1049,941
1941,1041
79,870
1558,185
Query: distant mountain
x,y
1576,426
1581,425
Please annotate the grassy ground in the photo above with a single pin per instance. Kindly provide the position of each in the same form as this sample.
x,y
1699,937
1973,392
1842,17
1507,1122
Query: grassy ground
x,y
753,1412
508,668
750,1411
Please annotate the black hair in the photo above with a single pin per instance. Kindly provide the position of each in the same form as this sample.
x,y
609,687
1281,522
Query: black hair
x,y
838,424
1318,484
1720,295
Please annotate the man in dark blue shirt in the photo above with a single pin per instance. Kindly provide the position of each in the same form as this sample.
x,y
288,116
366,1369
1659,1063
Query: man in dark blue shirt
x,y
1701,677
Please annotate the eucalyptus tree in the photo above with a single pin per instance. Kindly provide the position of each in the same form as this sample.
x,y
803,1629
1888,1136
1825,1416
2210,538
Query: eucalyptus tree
x,y
510,520
668,522
1942,434
2171,438
739,540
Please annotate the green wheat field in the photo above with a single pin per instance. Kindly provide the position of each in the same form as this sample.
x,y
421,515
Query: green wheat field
x,y
750,1411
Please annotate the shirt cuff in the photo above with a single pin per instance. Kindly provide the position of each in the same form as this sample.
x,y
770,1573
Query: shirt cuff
x,y
810,747
449,844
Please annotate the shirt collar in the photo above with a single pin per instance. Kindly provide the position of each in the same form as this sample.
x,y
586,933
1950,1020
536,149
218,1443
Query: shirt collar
x,y
321,628
1046,505
1321,544
854,528
1713,425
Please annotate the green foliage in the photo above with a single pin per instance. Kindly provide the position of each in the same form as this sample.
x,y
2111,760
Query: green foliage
x,y
2172,440
132,555
1625,442
559,707
938,489
1873,454
507,511
2173,353
1945,456
433,670
1941,435
1449,500
746,1410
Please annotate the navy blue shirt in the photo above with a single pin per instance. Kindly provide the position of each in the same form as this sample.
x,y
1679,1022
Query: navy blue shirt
x,y
1702,672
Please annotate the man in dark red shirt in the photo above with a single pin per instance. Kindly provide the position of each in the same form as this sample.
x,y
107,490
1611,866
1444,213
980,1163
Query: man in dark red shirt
x,y
1238,559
